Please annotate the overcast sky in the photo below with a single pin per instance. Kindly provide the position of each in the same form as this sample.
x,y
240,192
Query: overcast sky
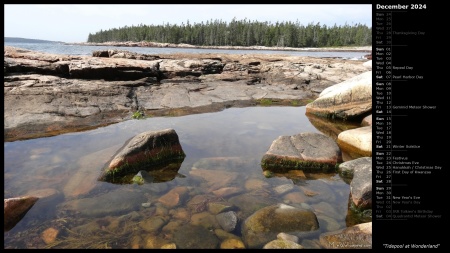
x,y
74,22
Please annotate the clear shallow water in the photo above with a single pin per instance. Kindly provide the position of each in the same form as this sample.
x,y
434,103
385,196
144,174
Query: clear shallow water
x,y
57,48
68,166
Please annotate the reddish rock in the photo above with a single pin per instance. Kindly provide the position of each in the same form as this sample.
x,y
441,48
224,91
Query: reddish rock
x,y
49,235
145,149
15,210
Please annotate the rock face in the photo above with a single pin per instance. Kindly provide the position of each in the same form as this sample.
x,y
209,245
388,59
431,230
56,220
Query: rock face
x,y
49,94
361,186
346,100
144,150
15,209
311,152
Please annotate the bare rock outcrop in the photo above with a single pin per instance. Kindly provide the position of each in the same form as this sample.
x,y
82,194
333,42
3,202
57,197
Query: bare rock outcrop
x,y
49,94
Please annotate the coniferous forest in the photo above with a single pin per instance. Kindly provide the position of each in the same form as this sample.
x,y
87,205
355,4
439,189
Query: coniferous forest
x,y
242,33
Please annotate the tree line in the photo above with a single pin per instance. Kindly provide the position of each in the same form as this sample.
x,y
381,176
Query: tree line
x,y
242,33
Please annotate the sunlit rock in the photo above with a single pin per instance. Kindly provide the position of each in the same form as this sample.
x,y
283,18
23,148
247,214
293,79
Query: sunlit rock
x,y
346,100
311,152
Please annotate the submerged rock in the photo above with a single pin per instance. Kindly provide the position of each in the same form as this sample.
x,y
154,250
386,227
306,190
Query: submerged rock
x,y
195,237
265,224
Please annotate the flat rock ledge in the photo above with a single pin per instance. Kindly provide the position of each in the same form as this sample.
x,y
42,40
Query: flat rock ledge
x,y
50,94
310,152
147,150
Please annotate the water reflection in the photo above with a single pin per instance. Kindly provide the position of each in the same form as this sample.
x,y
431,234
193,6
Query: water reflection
x,y
221,169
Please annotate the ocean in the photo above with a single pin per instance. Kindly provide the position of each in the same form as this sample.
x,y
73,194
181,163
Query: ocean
x,y
68,49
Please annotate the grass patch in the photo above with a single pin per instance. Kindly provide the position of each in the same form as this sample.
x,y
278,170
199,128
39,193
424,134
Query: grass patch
x,y
265,102
138,115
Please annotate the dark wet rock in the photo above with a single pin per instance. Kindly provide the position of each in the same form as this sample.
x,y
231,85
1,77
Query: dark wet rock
x,y
195,237
311,152
15,209
142,151
356,237
227,220
347,100
264,225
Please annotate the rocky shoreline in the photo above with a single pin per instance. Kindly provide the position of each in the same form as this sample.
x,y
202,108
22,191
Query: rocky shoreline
x,y
49,94
182,45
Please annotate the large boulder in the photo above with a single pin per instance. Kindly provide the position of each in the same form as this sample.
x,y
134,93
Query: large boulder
x,y
346,100
148,150
311,152
356,142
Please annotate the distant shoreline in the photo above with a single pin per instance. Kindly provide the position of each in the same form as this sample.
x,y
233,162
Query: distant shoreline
x,y
367,49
